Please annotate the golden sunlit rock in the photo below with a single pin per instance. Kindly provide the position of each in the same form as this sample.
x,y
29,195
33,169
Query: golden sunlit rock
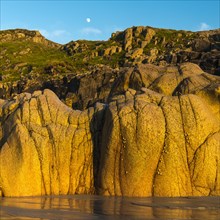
x,y
142,143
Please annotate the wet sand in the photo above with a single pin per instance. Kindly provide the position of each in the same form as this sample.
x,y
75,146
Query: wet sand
x,y
101,207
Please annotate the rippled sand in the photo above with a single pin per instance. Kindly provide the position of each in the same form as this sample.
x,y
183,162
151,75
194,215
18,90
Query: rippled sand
x,y
100,207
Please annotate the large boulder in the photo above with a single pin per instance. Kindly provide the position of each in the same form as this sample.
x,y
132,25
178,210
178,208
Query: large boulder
x,y
46,147
201,45
166,80
156,145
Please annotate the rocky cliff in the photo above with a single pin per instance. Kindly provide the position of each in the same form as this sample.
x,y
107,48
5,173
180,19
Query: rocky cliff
x,y
157,133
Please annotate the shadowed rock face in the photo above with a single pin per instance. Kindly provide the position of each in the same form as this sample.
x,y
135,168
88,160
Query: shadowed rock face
x,y
142,142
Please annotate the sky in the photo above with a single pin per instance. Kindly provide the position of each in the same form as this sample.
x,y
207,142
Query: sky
x,y
63,21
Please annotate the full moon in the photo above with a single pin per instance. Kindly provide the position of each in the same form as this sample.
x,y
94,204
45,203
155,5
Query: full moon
x,y
88,20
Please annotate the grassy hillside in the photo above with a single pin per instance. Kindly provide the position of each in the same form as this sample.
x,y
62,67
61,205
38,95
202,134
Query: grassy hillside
x,y
28,55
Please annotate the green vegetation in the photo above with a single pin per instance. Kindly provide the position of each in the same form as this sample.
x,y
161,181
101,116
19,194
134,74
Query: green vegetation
x,y
24,58
19,58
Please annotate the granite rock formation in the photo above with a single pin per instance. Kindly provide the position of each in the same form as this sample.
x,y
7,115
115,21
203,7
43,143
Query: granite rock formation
x,y
156,134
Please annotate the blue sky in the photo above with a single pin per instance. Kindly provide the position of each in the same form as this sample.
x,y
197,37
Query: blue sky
x,y
63,21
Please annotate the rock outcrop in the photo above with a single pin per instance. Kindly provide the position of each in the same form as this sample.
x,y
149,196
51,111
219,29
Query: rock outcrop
x,y
170,46
25,35
157,134
83,91
27,56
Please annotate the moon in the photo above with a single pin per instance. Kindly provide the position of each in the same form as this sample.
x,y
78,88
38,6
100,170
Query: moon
x,y
88,20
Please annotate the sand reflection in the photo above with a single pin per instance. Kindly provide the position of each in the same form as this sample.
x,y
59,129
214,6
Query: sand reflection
x,y
100,207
